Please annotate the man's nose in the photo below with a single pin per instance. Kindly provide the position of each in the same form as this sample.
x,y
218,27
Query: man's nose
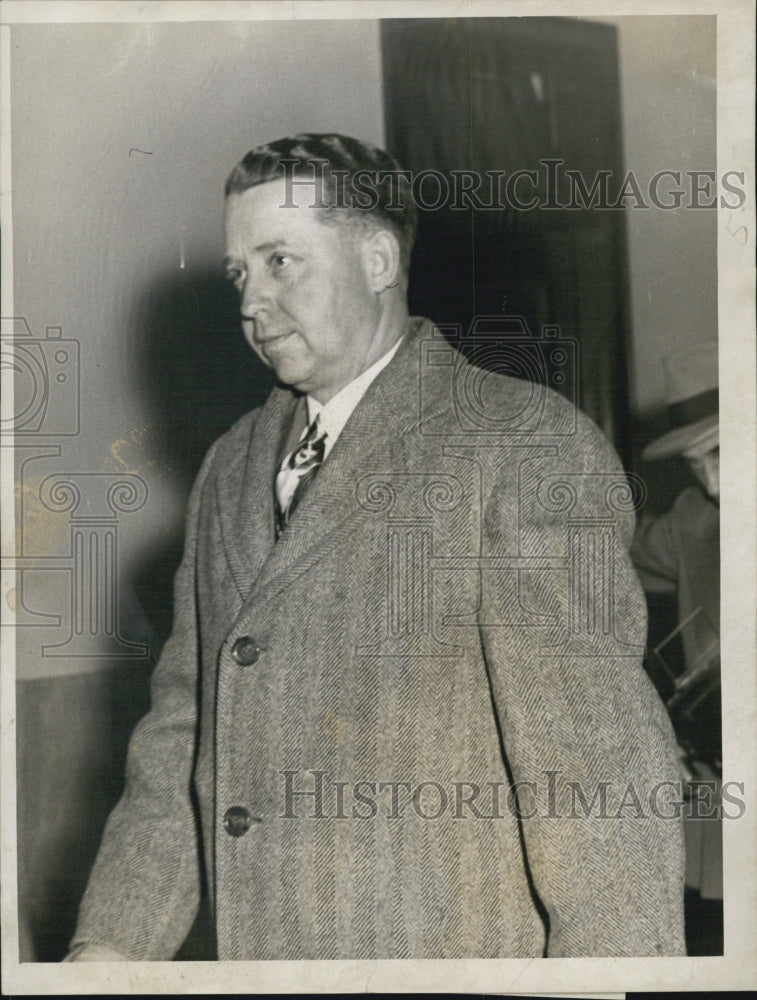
x,y
254,296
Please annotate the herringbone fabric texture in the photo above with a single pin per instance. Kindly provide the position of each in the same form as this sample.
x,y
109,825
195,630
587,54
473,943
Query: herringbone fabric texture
x,y
425,627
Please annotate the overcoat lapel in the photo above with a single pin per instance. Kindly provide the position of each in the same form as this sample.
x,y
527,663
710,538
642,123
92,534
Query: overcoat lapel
x,y
244,491
371,441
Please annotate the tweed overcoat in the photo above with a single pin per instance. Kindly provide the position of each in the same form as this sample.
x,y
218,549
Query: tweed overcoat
x,y
436,739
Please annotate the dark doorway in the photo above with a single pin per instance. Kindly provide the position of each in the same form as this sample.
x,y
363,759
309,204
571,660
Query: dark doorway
x,y
486,98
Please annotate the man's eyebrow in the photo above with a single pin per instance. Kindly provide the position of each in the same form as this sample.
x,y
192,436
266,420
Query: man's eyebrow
x,y
281,244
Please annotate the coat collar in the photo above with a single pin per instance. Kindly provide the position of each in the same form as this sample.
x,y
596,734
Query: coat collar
x,y
370,441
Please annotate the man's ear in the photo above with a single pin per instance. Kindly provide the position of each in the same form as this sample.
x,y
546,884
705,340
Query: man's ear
x,y
381,258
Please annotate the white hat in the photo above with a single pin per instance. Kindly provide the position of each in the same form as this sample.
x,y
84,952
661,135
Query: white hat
x,y
691,391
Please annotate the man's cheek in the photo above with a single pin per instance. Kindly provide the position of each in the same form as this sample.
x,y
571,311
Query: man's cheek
x,y
248,329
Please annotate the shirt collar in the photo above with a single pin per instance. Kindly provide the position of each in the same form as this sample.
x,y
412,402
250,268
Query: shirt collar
x,y
335,414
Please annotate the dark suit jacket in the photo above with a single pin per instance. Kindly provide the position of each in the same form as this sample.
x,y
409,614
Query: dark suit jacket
x,y
449,615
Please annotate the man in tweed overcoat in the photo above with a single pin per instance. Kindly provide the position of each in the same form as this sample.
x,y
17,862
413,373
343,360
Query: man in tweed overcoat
x,y
409,720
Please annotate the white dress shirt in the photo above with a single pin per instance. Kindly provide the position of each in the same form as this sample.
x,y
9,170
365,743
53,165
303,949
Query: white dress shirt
x,y
335,414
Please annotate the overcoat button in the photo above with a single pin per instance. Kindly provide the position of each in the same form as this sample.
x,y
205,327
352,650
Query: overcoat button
x,y
246,651
236,821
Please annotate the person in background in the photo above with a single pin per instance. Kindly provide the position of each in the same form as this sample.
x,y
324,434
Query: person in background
x,y
679,552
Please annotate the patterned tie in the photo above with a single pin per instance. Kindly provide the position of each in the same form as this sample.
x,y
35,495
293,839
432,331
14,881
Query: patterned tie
x,y
296,471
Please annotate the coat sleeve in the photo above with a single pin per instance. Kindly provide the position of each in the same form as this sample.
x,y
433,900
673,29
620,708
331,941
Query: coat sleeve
x,y
144,889
588,743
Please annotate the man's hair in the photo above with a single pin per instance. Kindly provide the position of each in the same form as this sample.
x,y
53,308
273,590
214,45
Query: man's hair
x,y
353,182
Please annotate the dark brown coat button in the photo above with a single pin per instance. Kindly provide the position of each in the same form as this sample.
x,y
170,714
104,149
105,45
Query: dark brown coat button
x,y
236,821
246,651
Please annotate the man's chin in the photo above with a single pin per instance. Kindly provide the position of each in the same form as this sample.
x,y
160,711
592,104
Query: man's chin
x,y
282,354
289,374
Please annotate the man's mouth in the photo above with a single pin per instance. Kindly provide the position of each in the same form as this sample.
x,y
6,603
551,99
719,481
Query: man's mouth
x,y
272,338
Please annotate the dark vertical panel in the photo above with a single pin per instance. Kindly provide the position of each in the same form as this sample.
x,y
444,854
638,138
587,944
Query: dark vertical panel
x,y
508,94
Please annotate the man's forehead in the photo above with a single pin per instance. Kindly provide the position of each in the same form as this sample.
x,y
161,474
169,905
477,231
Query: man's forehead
x,y
270,213
284,195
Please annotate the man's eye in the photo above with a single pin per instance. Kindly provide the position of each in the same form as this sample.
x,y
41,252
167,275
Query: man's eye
x,y
279,261
235,275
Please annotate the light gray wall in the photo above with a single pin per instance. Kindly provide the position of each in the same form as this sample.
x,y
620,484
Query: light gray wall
x,y
123,135
668,94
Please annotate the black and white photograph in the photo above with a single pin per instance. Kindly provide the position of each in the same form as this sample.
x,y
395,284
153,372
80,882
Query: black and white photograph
x,y
378,614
